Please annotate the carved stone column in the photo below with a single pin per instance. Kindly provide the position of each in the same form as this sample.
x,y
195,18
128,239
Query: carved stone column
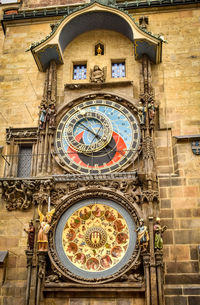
x,y
146,262
29,257
149,172
47,122
159,265
42,256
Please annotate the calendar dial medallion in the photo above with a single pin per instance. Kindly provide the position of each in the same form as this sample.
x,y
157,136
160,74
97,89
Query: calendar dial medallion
x,y
97,136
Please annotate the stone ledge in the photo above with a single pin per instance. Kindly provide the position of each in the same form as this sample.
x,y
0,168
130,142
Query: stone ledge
x,y
83,177
94,86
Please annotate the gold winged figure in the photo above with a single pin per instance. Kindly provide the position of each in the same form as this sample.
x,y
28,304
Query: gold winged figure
x,y
44,230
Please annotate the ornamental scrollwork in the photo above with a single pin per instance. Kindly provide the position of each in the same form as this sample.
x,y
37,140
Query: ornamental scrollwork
x,y
19,194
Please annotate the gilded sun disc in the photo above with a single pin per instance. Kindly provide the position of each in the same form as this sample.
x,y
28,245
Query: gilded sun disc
x,y
95,237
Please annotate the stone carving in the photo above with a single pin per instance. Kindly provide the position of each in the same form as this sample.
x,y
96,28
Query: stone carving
x,y
142,235
31,235
136,193
52,278
132,277
19,194
97,75
152,111
51,116
44,230
142,113
149,196
20,133
135,274
158,230
42,264
57,194
44,190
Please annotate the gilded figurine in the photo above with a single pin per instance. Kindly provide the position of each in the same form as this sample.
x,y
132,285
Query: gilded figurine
x,y
158,231
31,235
142,235
97,75
44,230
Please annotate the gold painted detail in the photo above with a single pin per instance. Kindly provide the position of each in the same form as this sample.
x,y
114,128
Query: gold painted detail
x,y
95,237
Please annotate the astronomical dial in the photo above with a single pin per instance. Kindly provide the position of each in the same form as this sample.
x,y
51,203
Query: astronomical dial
x,y
97,136
95,238
94,128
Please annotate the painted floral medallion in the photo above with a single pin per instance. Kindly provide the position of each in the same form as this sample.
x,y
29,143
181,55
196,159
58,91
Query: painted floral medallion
x,y
95,237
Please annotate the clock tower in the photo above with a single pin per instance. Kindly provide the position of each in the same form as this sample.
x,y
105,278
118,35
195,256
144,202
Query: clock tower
x,y
96,145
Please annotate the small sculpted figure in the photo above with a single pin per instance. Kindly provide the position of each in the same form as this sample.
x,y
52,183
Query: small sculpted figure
x,y
142,113
97,75
158,230
43,116
151,108
142,235
51,116
44,230
31,235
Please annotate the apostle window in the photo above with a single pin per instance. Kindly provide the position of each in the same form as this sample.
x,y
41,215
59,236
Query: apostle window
x,y
118,69
79,71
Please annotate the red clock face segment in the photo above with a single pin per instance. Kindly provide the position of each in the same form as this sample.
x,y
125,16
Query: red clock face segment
x,y
108,156
97,137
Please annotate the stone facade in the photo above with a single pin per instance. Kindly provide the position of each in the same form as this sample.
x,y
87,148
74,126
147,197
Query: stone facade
x,y
176,86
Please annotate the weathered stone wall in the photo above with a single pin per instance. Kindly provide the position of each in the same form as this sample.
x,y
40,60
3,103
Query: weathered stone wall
x,y
177,90
45,3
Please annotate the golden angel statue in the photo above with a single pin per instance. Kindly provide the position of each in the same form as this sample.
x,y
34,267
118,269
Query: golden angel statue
x,y
44,230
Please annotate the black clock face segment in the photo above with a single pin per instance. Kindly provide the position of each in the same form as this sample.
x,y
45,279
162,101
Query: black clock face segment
x,y
97,136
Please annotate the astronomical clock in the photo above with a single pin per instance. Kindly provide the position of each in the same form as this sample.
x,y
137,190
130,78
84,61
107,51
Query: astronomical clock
x,y
97,136
93,235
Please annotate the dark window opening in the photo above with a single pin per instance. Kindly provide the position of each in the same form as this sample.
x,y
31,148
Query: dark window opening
x,y
24,161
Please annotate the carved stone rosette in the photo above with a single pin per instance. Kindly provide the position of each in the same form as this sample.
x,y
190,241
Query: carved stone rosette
x,y
69,201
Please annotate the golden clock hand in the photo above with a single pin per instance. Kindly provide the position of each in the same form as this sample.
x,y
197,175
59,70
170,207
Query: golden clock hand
x,y
97,133
89,130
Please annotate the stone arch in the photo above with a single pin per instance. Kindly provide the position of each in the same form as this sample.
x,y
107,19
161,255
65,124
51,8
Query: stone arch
x,y
91,17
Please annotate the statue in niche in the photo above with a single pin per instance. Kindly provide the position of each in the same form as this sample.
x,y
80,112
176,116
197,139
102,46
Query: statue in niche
x,y
142,113
43,117
51,116
158,231
151,108
31,235
44,230
142,235
97,75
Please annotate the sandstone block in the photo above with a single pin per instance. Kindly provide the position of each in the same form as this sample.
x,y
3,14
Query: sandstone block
x,y
176,300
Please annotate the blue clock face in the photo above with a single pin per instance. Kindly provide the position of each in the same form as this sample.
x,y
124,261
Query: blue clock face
x,y
97,136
